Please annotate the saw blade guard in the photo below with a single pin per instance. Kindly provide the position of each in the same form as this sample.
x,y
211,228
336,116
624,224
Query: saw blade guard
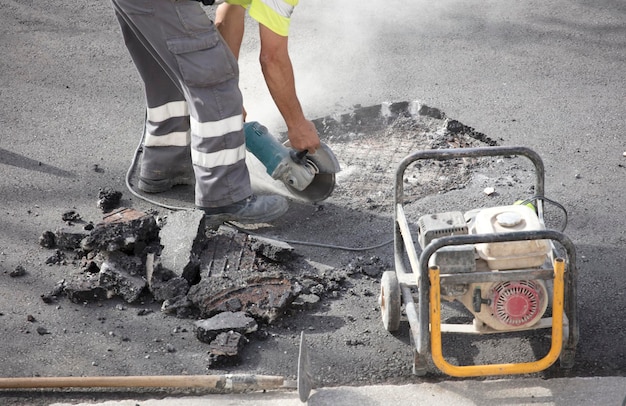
x,y
310,178
324,165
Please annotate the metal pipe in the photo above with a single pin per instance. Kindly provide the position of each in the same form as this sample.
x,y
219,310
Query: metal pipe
x,y
501,276
228,383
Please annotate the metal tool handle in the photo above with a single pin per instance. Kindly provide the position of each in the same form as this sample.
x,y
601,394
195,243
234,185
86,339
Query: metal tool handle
x,y
298,156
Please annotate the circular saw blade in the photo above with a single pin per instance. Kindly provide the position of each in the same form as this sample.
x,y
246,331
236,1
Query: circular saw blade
x,y
323,184
319,189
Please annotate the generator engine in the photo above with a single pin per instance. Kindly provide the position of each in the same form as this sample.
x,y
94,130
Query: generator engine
x,y
510,305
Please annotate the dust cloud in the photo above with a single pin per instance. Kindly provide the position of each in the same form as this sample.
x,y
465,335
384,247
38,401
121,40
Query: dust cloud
x,y
358,48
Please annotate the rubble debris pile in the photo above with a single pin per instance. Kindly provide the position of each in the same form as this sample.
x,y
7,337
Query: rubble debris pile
x,y
242,274
225,279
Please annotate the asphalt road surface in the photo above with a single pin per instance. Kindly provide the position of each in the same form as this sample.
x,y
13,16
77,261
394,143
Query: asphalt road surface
x,y
546,75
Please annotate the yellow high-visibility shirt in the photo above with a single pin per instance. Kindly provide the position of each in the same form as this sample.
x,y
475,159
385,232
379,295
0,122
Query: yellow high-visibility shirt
x,y
274,14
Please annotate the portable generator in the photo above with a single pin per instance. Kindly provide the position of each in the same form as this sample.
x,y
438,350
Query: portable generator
x,y
501,263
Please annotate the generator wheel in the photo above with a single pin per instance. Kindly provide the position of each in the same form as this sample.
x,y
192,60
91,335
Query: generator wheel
x,y
390,300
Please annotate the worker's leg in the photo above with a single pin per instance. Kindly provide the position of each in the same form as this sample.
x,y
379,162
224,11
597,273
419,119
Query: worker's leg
x,y
187,46
166,156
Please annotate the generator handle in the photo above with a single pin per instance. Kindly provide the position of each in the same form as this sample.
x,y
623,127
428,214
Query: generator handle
x,y
455,153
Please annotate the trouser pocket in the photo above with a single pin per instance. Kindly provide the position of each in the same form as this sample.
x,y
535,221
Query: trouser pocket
x,y
203,59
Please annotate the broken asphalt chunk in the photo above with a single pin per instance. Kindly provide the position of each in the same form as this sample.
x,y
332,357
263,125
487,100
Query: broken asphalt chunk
x,y
108,199
180,306
70,216
183,238
121,230
17,272
224,350
122,275
57,258
306,301
47,239
170,289
42,331
275,250
226,253
85,289
208,329
163,284
54,294
263,297
144,312
67,239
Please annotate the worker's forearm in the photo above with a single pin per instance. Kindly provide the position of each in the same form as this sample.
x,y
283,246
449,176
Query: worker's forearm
x,y
279,77
302,132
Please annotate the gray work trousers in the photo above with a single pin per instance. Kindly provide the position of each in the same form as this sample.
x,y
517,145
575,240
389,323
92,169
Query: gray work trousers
x,y
194,105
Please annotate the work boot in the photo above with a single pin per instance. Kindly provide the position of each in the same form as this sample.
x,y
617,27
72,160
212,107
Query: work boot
x,y
254,209
165,184
164,167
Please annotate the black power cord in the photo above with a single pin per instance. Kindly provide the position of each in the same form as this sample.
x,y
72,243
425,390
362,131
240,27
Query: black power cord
x,y
533,199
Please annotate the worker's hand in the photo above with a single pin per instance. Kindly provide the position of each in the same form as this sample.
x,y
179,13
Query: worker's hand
x,y
303,136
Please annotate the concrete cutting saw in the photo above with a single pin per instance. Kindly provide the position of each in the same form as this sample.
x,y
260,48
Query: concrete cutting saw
x,y
310,177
